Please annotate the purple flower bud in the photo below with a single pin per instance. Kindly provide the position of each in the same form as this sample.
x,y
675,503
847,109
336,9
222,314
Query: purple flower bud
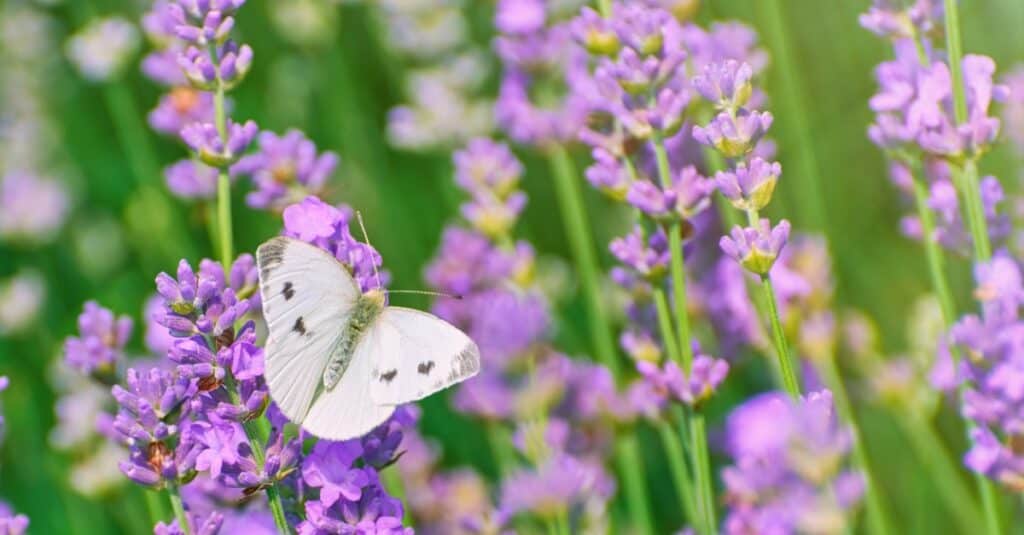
x,y
726,85
749,187
179,108
487,165
214,150
595,33
756,248
608,175
647,257
734,136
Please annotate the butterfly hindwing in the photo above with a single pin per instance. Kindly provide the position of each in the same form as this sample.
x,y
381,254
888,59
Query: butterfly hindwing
x,y
347,410
307,296
420,354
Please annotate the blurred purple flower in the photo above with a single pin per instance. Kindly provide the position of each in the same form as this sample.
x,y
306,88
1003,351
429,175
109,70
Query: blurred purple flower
x,y
285,170
788,474
212,149
99,347
10,523
190,179
179,108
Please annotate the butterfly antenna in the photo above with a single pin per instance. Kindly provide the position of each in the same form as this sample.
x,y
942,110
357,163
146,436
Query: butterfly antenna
x,y
366,238
426,292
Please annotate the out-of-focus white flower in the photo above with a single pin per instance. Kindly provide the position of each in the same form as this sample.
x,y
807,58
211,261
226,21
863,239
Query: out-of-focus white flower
x,y
21,298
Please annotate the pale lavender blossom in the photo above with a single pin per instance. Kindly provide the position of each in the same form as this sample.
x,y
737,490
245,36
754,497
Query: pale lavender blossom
x,y
756,248
726,85
688,194
734,135
11,523
750,185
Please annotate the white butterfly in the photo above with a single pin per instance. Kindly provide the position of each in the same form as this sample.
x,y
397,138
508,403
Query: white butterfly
x,y
338,361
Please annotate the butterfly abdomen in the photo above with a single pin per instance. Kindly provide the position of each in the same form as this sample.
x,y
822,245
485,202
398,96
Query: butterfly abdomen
x,y
364,313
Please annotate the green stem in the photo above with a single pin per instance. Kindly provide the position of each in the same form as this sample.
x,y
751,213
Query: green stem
x,y
944,473
154,506
793,103
954,50
604,7
705,488
786,368
665,322
933,253
680,472
878,518
224,220
179,509
975,210
631,470
223,187
581,242
396,488
277,509
702,464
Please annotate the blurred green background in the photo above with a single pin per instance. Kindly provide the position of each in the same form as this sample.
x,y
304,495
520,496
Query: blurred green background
x,y
338,92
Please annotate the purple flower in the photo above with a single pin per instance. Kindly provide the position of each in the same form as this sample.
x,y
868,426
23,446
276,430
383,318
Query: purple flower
x,y
189,179
204,302
648,257
688,195
756,248
994,371
555,485
608,175
373,513
902,20
788,474
10,523
330,467
734,136
150,407
726,85
327,227
486,165
228,71
285,170
100,50
99,347
179,108
520,16
210,525
215,150
595,32
749,186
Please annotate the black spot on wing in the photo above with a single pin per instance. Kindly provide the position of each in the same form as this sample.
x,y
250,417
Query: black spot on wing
x,y
388,376
425,367
299,327
288,292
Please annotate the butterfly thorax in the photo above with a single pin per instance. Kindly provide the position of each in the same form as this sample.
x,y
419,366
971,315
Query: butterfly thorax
x,y
365,311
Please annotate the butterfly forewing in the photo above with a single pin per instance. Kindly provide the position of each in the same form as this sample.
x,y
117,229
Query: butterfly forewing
x,y
307,298
418,355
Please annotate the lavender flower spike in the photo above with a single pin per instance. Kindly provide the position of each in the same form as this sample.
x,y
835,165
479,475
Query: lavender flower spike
x,y
99,348
756,248
749,187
